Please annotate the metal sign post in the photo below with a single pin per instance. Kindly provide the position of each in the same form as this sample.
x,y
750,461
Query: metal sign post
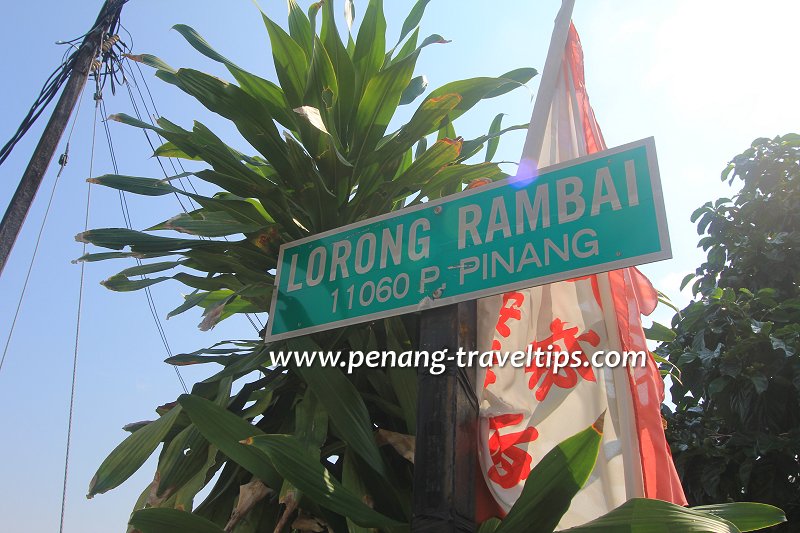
x,y
446,452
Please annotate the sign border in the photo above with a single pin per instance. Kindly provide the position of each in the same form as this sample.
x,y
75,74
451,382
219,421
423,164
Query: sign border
x,y
661,221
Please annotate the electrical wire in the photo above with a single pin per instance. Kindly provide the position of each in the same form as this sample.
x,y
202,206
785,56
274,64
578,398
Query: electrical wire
x,y
109,54
132,80
128,224
63,160
77,332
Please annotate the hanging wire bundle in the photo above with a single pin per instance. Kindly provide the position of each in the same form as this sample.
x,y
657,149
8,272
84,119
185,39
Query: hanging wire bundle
x,y
106,65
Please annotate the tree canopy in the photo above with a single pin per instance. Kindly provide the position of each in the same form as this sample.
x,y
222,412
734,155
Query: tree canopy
x,y
735,432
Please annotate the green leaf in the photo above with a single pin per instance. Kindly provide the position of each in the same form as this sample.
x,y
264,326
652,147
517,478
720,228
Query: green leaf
x,y
760,382
270,94
149,268
323,85
490,526
405,50
664,299
474,90
443,152
518,77
414,89
411,46
251,116
201,45
169,149
473,146
447,130
185,495
300,28
205,223
413,19
162,520
370,46
184,464
225,430
422,145
659,333
305,472
553,482
241,366
379,104
342,66
718,385
190,301
120,283
351,480
119,238
429,115
150,61
313,9
494,138
346,408
291,63
641,515
449,179
189,359
131,454
311,422
404,384
135,185
746,516
90,258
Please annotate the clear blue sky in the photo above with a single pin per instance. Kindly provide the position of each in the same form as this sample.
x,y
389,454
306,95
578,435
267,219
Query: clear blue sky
x,y
703,78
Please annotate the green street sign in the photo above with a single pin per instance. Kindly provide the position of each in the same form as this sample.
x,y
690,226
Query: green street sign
x,y
593,214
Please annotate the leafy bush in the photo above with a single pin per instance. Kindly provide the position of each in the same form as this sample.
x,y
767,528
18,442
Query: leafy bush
x,y
735,433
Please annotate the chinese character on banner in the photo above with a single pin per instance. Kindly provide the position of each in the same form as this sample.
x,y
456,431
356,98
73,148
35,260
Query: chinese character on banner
x,y
562,343
511,310
510,463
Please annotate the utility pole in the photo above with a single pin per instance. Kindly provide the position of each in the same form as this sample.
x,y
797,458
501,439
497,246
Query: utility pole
x,y
446,454
29,184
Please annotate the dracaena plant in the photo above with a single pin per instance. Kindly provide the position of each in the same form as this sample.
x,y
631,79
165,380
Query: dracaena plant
x,y
305,449
322,156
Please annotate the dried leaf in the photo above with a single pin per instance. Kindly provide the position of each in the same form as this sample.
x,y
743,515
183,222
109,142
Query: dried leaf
x,y
313,116
403,444
305,523
289,499
211,317
249,495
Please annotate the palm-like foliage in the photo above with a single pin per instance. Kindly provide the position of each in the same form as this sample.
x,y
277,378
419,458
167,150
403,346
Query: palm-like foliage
x,y
298,448
323,158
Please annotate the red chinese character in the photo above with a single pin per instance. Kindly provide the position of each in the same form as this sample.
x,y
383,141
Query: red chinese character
x,y
510,464
566,377
512,301
490,375
508,312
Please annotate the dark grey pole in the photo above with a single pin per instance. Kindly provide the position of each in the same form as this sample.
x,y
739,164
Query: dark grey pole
x,y
445,459
29,184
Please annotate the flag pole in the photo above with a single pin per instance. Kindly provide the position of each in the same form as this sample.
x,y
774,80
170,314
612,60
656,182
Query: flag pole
x,y
547,88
